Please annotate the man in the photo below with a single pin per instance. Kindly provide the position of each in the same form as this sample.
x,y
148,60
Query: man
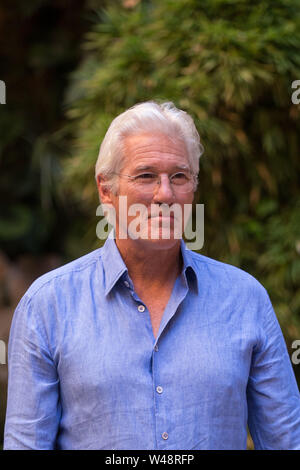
x,y
144,344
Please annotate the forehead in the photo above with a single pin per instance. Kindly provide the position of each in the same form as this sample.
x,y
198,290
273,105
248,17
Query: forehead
x,y
157,151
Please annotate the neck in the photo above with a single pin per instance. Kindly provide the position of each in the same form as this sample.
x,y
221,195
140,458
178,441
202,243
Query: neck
x,y
150,265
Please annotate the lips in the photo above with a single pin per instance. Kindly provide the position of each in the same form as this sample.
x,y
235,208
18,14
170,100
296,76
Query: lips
x,y
161,216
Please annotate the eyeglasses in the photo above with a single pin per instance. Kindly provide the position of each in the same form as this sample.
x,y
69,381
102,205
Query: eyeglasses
x,y
181,182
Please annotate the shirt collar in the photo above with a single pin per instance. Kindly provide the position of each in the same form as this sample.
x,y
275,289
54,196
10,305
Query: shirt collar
x,y
115,268
189,269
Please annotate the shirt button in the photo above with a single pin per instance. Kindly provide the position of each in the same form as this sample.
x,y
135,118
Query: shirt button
x,y
165,435
156,348
141,308
159,389
126,283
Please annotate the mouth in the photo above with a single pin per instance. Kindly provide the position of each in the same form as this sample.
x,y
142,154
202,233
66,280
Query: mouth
x,y
161,216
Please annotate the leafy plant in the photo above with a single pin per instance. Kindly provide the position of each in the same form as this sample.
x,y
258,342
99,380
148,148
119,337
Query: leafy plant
x,y
230,65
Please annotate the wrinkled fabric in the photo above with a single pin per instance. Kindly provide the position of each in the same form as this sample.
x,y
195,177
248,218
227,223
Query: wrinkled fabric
x,y
86,372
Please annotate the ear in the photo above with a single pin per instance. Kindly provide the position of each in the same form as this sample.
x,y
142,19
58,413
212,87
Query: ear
x,y
104,190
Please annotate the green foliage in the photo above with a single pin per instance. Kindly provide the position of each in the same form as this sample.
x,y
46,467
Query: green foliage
x,y
230,64
39,46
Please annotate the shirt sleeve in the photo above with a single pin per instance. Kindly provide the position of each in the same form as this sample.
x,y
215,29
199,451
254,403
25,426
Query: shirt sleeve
x,y
272,392
33,407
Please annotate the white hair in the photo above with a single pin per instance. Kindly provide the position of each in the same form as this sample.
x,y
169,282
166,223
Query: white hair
x,y
147,117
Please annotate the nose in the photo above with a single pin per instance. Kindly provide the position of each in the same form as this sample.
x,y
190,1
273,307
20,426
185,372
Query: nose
x,y
164,192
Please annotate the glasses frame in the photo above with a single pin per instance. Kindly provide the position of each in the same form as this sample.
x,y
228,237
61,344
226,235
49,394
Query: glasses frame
x,y
133,178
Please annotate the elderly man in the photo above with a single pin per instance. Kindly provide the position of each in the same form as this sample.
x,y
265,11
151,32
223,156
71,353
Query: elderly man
x,y
144,344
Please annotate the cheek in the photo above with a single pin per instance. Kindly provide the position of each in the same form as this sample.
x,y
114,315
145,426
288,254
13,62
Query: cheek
x,y
189,198
129,207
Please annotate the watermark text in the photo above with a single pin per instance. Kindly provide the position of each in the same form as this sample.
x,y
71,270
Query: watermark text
x,y
296,354
2,352
152,222
2,92
296,93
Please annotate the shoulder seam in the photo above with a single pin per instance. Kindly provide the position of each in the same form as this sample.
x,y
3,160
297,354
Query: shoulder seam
x,y
81,268
205,259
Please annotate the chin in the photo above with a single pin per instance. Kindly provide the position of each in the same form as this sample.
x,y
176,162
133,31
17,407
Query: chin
x,y
162,235
159,243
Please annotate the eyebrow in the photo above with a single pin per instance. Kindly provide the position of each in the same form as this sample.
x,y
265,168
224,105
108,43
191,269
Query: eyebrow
x,y
147,167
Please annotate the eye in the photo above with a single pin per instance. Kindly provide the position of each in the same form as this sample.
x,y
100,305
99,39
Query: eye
x,y
179,177
145,176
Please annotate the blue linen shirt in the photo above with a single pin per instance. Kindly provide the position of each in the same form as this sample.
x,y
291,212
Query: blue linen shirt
x,y
86,372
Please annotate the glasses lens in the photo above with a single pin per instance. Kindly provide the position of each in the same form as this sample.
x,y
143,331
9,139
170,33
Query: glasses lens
x,y
180,182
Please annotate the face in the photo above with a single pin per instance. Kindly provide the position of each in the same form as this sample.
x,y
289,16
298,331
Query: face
x,y
145,155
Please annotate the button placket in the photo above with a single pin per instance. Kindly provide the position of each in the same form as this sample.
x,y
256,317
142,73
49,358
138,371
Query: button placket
x,y
159,400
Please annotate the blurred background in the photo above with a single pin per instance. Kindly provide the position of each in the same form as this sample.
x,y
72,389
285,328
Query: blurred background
x,y
71,66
